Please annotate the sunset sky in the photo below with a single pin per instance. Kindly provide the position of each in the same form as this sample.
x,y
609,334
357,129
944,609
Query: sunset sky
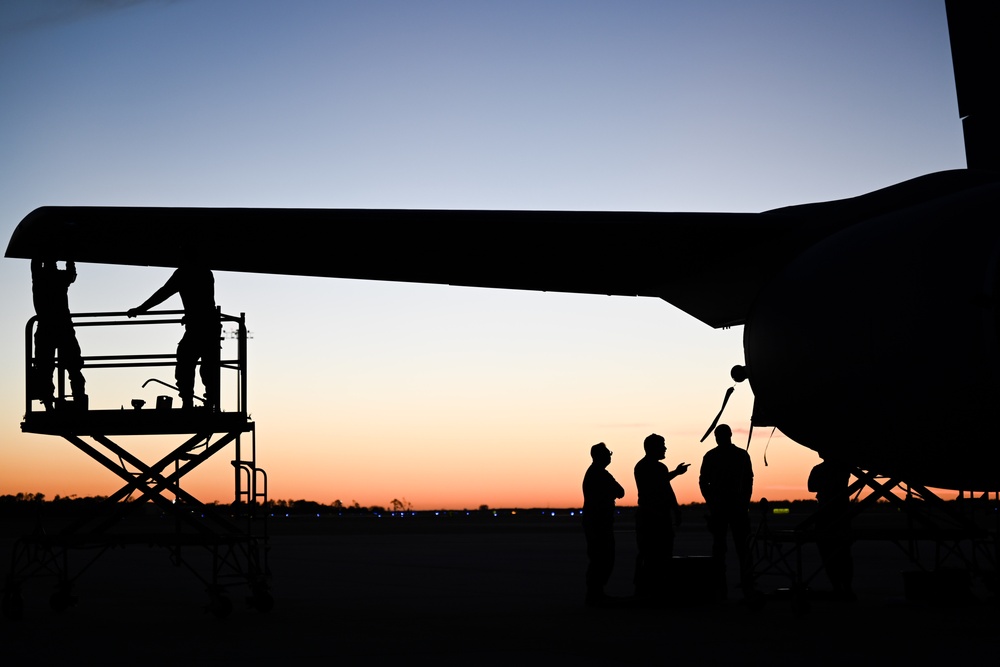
x,y
451,397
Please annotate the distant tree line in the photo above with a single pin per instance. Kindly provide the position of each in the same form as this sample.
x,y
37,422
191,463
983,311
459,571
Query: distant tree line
x,y
37,505
34,504
29,504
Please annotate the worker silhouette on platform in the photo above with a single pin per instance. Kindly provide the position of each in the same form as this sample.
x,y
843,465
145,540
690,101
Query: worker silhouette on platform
x,y
600,490
655,519
202,330
50,294
726,482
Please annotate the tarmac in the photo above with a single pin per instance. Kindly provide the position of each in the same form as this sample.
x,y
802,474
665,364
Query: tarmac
x,y
475,595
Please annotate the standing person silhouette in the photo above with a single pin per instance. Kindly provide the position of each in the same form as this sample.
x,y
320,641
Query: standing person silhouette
x,y
50,295
202,330
726,482
830,480
655,519
600,490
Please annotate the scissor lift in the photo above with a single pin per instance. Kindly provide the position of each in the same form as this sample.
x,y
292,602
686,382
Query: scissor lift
x,y
224,546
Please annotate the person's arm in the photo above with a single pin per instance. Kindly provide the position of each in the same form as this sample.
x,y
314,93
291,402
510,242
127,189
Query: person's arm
x,y
749,481
619,490
705,481
159,296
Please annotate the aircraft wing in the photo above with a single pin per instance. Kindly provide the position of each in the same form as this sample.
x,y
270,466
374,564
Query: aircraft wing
x,y
710,265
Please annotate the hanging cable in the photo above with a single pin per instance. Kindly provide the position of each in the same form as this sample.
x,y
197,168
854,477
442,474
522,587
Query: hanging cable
x,y
766,444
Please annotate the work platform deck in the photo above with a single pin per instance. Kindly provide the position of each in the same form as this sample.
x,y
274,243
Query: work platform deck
x,y
135,422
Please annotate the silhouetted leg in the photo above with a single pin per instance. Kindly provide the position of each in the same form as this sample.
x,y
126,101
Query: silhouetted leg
x,y
845,569
187,359
638,577
641,578
718,526
601,557
654,537
210,360
740,523
668,559
645,563
835,552
45,362
71,359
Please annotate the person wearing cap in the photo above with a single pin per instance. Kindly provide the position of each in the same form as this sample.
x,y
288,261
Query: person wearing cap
x,y
656,517
600,490
726,482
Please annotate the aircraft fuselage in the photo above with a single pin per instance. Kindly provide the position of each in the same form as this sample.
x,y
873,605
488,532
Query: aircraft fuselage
x,y
880,343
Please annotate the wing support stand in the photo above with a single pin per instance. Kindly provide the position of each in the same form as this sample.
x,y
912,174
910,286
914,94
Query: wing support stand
x,y
223,546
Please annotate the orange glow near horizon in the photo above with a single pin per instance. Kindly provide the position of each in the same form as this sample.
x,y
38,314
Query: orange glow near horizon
x,y
68,472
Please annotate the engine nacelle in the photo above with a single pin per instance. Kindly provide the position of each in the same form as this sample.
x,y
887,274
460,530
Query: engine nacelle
x,y
881,345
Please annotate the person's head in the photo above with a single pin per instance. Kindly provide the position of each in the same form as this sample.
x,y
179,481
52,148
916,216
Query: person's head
x,y
190,255
723,434
655,446
600,454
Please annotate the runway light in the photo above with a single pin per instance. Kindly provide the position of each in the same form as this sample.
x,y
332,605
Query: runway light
x,y
781,510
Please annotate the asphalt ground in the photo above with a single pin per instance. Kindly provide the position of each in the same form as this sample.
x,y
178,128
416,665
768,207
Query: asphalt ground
x,y
476,595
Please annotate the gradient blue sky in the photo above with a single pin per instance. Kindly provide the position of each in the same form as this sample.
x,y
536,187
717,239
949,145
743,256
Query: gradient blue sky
x,y
453,397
